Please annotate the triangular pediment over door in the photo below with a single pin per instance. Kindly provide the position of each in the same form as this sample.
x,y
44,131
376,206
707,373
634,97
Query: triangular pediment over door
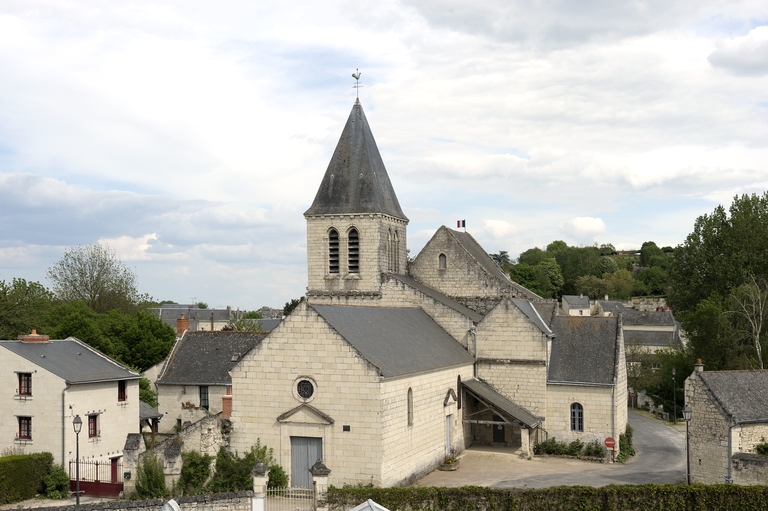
x,y
305,414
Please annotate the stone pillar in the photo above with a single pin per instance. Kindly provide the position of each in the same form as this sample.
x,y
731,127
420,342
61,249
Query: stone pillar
x,y
525,441
260,474
320,475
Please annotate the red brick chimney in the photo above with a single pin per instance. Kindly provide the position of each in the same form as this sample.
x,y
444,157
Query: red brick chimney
x,y
226,404
699,366
182,324
34,337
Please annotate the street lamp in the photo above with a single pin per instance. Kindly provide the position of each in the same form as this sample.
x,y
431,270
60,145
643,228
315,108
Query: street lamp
x,y
687,412
674,397
77,423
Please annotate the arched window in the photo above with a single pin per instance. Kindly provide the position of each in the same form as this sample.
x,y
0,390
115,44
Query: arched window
x,y
577,417
410,407
389,250
333,251
441,262
396,253
353,246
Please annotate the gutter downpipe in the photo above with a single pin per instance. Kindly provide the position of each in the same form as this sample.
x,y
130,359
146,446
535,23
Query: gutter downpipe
x,y
730,444
63,423
473,333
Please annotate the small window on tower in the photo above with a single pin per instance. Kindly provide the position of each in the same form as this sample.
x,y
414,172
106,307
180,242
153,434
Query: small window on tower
x,y
441,262
333,251
354,251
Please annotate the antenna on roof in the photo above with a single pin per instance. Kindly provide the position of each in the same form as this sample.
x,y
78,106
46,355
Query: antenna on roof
x,y
357,85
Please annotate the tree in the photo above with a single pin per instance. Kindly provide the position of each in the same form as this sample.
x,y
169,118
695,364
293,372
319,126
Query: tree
x,y
502,258
604,265
252,315
150,478
202,305
655,280
649,250
22,307
723,249
556,246
94,274
146,394
607,249
240,322
620,285
592,286
289,306
750,305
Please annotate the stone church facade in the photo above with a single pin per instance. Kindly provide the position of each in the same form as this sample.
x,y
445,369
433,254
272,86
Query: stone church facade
x,y
384,370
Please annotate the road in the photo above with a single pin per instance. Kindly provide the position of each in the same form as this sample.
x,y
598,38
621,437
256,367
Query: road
x,y
660,459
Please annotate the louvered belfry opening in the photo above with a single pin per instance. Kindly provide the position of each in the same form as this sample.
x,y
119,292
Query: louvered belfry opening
x,y
354,251
333,251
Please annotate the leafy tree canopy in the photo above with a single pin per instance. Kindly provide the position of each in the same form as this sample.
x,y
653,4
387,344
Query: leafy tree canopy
x,y
289,306
22,307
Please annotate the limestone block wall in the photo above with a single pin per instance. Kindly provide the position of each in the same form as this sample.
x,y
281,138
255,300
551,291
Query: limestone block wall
x,y
373,231
708,429
749,468
523,384
174,400
412,450
599,413
746,436
346,388
241,501
52,408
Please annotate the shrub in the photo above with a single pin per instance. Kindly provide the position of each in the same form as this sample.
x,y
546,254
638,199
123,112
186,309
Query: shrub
x,y
233,473
150,478
21,476
575,447
625,445
277,477
594,449
551,446
762,447
56,483
195,472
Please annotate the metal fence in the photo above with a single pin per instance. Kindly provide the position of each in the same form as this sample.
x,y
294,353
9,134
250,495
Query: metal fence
x,y
94,471
290,499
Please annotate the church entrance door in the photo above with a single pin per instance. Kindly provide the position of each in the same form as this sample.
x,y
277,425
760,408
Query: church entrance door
x,y
305,451
498,431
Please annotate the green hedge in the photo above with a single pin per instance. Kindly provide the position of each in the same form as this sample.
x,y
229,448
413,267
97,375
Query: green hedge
x,y
21,476
697,497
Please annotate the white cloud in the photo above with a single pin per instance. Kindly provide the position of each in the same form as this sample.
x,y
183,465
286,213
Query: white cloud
x,y
745,55
583,229
130,249
499,228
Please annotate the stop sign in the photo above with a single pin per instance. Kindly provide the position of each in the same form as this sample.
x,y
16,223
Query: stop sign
x,y
610,443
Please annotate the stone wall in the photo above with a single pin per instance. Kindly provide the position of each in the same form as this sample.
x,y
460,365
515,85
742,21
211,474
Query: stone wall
x,y
373,231
347,391
746,436
748,468
599,416
240,501
180,404
708,430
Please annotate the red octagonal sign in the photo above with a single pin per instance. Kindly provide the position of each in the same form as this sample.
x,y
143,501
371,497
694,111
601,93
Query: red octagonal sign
x,y
610,443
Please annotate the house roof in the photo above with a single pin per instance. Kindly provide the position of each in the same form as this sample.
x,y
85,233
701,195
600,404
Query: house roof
x,y
356,180
484,260
398,341
527,308
584,349
72,360
577,302
147,411
742,394
439,297
612,306
547,310
652,338
205,358
650,318
490,396
169,315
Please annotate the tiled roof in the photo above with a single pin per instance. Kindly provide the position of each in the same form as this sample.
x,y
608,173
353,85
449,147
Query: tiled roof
x,y
612,306
527,308
577,302
547,310
652,338
439,297
356,180
584,349
146,411
72,360
650,318
489,395
205,358
396,340
742,394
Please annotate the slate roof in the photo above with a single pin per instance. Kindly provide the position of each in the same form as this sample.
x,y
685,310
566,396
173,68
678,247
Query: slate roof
x,y
584,349
652,338
488,394
650,318
547,310
577,302
72,360
439,297
148,412
612,306
530,311
489,265
356,180
742,394
205,358
169,315
396,340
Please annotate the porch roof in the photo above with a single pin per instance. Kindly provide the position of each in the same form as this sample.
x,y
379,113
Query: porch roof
x,y
488,395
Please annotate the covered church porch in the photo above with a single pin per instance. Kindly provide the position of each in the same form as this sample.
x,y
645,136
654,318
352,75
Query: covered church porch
x,y
495,421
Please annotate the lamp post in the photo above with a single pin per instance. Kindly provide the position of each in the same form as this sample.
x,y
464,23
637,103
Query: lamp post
x,y
77,423
674,397
687,412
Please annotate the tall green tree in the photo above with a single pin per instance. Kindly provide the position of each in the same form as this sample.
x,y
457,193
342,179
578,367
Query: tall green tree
x,y
22,307
723,249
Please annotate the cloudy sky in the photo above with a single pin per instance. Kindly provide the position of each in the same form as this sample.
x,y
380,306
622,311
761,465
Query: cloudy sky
x,y
191,136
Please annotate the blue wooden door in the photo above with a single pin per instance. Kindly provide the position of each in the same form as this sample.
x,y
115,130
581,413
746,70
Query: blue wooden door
x,y
305,451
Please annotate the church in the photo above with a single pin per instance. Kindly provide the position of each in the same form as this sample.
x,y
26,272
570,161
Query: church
x,y
387,367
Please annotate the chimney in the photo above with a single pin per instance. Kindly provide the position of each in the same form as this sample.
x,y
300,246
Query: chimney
x,y
226,404
34,337
211,321
699,366
182,324
606,298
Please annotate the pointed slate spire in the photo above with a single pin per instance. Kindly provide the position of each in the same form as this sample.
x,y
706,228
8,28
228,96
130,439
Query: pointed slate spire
x,y
356,180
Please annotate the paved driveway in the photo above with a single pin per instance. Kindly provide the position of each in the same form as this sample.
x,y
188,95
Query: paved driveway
x,y
660,459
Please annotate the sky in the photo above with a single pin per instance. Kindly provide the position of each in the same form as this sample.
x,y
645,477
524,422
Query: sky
x,y
191,136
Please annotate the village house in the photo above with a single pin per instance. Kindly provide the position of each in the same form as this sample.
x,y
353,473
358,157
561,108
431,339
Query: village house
x,y
387,368
49,382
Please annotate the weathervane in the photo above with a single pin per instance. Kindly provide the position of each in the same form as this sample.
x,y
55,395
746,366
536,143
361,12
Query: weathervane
x,y
357,85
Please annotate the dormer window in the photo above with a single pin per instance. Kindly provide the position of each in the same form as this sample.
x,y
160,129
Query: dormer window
x,y
333,251
354,251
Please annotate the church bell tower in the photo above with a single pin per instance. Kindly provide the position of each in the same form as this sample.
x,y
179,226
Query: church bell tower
x,y
356,230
